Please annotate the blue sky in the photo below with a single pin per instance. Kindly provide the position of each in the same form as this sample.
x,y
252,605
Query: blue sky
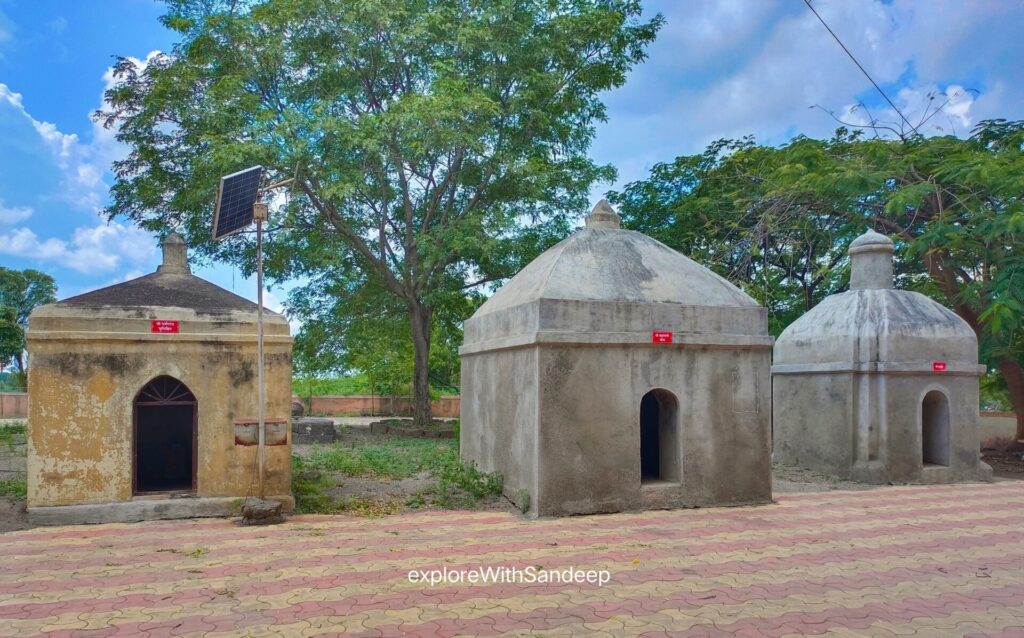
x,y
719,69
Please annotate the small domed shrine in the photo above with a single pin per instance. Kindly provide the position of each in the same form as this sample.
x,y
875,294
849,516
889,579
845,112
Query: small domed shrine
x,y
143,401
876,384
613,373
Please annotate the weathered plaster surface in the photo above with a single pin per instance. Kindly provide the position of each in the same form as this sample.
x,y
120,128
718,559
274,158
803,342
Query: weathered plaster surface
x,y
89,362
555,364
850,375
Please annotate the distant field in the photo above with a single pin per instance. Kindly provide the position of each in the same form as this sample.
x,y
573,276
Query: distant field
x,y
356,385
331,386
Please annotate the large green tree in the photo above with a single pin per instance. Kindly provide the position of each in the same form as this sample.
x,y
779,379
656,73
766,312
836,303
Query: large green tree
x,y
20,292
436,144
778,221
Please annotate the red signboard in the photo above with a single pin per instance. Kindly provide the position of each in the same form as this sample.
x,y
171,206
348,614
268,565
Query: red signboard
x,y
661,336
163,326
939,366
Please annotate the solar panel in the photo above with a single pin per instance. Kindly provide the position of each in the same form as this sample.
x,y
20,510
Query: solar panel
x,y
235,197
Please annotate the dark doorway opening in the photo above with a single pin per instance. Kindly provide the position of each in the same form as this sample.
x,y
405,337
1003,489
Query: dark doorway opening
x,y
935,434
659,438
165,438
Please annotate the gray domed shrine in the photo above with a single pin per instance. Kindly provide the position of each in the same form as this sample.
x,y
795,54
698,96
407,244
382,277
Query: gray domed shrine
x,y
877,384
613,373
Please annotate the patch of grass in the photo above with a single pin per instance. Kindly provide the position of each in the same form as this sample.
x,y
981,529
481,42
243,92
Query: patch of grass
x,y
435,424
310,487
196,553
12,434
14,489
457,484
393,459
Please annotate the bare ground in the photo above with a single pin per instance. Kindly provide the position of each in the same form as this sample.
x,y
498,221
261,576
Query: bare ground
x,y
12,515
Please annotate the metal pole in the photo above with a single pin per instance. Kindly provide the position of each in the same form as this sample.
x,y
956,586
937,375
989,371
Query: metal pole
x,y
259,350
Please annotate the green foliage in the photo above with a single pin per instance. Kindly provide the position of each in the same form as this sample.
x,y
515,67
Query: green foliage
x,y
20,292
469,478
12,434
392,459
778,220
14,489
12,338
456,484
12,382
310,487
437,146
993,393
311,386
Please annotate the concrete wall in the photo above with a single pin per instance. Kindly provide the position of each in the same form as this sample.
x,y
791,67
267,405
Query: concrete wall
x,y
444,407
997,425
904,397
83,387
589,434
811,425
499,419
13,405
868,426
563,425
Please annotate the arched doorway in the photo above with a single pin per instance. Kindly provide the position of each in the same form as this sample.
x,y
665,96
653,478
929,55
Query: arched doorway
x,y
935,434
659,437
164,448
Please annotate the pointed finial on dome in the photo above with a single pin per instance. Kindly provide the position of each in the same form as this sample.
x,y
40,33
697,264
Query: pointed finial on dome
x,y
871,261
603,216
175,255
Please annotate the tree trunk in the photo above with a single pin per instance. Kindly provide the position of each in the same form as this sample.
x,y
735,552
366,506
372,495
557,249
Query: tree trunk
x,y
420,316
1014,376
19,359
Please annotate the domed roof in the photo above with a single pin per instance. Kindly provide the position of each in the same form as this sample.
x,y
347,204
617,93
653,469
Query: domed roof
x,y
874,322
172,288
871,238
602,262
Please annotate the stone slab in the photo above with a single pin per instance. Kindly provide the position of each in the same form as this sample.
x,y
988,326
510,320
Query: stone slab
x,y
144,510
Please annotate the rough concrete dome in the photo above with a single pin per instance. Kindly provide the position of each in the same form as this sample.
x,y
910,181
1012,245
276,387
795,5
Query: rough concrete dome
x,y
871,239
872,322
602,262
605,285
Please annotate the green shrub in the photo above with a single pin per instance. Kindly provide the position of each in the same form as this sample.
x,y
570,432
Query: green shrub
x,y
13,433
16,489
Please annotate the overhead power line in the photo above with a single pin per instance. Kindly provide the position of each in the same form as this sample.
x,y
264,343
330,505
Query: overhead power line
x,y
859,66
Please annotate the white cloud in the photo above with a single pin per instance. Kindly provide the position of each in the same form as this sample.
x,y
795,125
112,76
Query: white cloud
x,y
12,215
728,69
82,164
82,181
271,302
101,248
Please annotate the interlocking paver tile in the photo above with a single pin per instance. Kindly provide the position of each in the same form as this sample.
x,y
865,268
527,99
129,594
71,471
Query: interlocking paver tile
x,y
926,561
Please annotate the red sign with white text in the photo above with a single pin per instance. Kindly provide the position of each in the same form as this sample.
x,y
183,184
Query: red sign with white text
x,y
939,366
661,336
163,326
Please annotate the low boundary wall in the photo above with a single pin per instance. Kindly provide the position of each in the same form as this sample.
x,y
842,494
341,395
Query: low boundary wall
x,y
13,405
997,425
445,407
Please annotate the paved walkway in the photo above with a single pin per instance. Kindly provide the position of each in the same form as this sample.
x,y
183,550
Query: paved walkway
x,y
938,561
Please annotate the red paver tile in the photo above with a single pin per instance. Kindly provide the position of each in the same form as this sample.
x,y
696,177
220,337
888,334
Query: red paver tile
x,y
811,564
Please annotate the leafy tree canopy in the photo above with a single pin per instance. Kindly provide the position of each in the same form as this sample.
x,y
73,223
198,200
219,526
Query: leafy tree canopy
x,y
20,292
778,220
436,144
